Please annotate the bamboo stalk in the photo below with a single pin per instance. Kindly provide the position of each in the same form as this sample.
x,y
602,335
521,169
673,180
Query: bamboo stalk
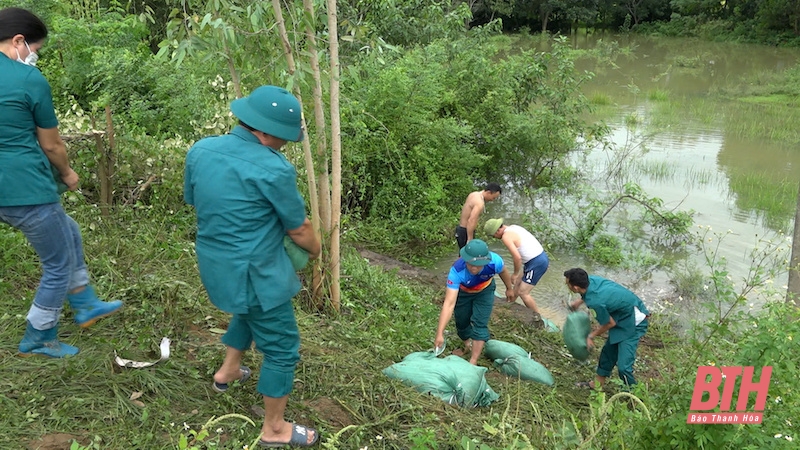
x,y
322,145
317,279
336,155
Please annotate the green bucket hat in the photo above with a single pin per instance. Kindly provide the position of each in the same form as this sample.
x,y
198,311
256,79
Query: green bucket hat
x,y
271,110
492,225
476,252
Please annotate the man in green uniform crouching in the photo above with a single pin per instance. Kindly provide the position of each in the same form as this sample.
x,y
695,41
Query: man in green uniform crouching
x,y
621,313
245,194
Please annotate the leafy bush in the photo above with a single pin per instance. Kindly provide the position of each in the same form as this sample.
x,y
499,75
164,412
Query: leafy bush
x,y
430,126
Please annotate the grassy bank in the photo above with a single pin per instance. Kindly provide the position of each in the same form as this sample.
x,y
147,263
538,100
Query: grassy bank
x,y
145,258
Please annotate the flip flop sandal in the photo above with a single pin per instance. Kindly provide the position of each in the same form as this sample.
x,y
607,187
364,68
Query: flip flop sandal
x,y
584,385
222,387
299,438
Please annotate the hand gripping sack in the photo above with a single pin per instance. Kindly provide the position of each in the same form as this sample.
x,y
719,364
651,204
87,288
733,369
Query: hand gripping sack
x,y
297,254
576,330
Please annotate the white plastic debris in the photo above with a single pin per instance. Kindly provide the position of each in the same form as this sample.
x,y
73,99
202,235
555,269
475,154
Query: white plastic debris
x,y
164,347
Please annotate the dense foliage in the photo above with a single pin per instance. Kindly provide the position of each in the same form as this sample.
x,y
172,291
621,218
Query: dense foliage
x,y
426,128
766,21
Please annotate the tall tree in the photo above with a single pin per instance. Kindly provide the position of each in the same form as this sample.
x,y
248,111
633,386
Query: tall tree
x,y
242,35
336,153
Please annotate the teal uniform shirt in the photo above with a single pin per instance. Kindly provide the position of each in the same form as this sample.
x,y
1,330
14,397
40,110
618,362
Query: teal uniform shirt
x,y
246,198
26,103
609,299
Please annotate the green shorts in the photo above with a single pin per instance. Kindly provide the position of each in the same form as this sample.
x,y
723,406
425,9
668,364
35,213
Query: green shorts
x,y
472,312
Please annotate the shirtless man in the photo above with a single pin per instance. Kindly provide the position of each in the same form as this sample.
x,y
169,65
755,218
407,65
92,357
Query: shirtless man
x,y
530,259
473,207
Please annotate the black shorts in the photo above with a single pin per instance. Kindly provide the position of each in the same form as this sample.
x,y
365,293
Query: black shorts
x,y
461,236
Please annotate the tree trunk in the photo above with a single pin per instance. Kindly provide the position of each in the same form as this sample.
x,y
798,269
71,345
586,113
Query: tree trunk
x,y
793,291
110,158
237,84
105,163
309,160
324,206
336,155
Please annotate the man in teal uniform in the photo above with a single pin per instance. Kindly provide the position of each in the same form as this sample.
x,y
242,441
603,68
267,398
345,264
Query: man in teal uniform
x,y
620,312
245,194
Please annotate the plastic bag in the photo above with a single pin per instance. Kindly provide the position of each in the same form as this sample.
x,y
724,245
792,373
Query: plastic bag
x,y
515,361
496,349
576,330
297,255
452,379
524,368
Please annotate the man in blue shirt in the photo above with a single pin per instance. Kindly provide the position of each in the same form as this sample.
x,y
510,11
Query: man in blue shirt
x,y
620,312
245,194
470,296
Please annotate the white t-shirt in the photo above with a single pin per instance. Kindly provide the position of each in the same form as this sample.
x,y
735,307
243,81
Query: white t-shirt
x,y
529,246
638,315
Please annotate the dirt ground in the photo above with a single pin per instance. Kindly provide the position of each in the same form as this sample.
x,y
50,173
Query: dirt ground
x,y
413,273
55,441
404,270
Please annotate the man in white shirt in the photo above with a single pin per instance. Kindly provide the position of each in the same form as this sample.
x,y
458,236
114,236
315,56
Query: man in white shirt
x,y
530,259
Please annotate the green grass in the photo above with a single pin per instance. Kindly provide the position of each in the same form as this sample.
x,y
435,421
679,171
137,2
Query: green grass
x,y
658,95
146,259
777,99
656,170
771,121
774,201
600,99
698,177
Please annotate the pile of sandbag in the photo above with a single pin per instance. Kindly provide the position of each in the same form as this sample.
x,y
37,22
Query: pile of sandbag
x,y
514,361
452,379
576,330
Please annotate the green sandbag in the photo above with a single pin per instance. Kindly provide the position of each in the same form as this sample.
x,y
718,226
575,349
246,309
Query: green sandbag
x,y
61,187
550,326
524,368
297,254
452,379
576,330
496,349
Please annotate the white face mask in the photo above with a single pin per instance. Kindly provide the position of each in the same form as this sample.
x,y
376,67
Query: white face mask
x,y
29,60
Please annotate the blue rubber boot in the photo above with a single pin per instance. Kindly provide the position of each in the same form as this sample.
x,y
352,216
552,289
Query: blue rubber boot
x,y
44,342
89,309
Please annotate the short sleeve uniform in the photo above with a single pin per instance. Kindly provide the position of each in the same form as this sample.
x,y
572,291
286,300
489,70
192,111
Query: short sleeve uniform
x,y
460,278
26,102
475,297
246,199
609,299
